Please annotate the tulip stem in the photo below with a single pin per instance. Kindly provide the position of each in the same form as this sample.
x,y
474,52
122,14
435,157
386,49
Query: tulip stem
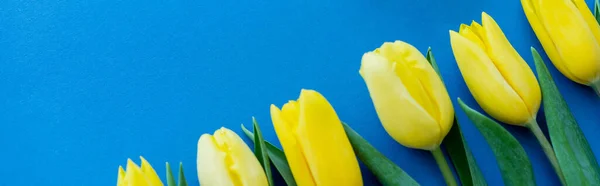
x,y
596,86
438,155
537,132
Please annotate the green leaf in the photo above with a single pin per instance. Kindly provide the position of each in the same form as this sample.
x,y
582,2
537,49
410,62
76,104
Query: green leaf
x,y
431,60
261,152
597,11
383,168
278,159
510,155
170,177
182,181
458,150
462,158
575,157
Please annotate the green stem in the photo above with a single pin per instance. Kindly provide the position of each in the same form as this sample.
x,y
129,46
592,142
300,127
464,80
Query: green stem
x,y
537,132
596,86
438,155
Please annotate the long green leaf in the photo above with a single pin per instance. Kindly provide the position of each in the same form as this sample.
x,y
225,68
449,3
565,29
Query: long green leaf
x,y
462,158
573,152
261,152
182,181
456,145
383,168
170,177
510,155
433,63
278,158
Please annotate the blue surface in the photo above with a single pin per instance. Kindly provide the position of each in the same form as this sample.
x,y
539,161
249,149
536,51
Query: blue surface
x,y
87,84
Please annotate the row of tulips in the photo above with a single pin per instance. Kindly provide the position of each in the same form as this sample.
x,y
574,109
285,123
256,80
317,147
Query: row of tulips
x,y
415,109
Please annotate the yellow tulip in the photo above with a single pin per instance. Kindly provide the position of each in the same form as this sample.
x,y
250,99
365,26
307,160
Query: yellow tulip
x,y
499,79
410,98
570,36
225,160
136,176
314,142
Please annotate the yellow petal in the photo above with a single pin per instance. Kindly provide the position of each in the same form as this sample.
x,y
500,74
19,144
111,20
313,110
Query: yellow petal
x,y
243,165
403,56
530,7
486,83
285,125
589,18
477,28
423,84
212,167
433,87
401,116
134,175
471,35
149,173
511,65
572,37
121,177
326,147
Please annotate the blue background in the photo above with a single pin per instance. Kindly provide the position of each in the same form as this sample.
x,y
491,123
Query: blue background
x,y
88,84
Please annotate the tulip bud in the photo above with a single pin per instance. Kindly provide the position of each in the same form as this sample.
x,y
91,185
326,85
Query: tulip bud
x,y
570,36
225,160
499,79
410,99
314,142
136,176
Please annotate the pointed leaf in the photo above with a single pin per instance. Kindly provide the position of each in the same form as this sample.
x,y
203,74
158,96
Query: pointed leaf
x,y
572,150
464,162
182,181
510,155
386,171
456,145
261,152
278,159
170,177
431,60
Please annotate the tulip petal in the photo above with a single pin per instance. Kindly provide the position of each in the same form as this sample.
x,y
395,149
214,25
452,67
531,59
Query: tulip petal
x,y
397,54
402,117
284,128
134,174
212,168
511,65
589,18
244,168
531,10
149,172
121,177
325,145
486,83
477,28
432,86
575,42
415,87
471,35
